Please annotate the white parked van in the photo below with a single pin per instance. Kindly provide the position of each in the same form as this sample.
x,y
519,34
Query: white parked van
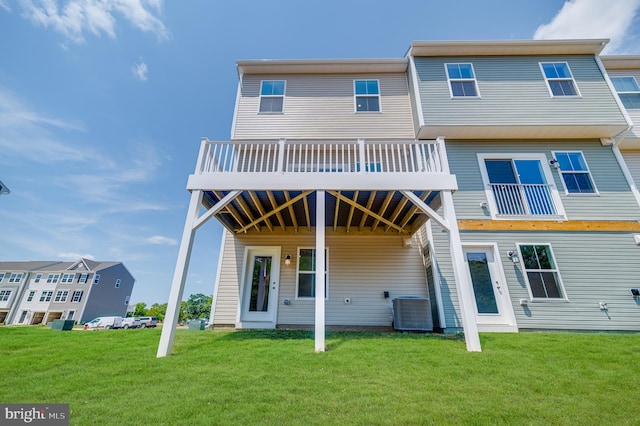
x,y
105,322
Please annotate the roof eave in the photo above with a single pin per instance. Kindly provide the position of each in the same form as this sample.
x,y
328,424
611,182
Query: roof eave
x,y
322,66
507,47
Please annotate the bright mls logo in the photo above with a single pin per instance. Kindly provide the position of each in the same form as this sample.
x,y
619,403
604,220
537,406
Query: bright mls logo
x,y
37,414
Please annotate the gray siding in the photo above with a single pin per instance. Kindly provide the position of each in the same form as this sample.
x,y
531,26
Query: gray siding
x,y
322,107
614,202
103,298
584,261
632,159
360,268
513,92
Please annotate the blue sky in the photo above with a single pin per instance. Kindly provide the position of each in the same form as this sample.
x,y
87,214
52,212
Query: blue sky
x,y
103,103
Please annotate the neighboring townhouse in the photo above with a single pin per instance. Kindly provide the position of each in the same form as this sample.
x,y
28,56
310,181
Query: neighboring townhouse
x,y
624,72
479,179
79,291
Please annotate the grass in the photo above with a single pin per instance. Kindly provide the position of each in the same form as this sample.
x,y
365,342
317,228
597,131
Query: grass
x,y
274,377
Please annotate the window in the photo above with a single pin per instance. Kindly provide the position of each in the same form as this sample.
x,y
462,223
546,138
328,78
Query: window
x,y
306,279
37,278
126,300
32,294
46,296
118,283
67,278
77,296
16,278
1,276
559,78
61,296
542,274
462,80
96,279
628,90
4,295
272,96
367,95
575,173
517,185
53,278
82,279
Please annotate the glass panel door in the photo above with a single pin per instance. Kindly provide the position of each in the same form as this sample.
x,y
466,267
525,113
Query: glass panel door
x,y
482,282
261,277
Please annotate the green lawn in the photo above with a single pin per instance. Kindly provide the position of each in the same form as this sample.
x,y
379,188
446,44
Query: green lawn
x,y
274,377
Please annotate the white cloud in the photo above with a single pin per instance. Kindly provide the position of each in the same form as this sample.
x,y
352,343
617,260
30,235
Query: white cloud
x,y
159,239
5,6
612,19
140,71
75,256
74,18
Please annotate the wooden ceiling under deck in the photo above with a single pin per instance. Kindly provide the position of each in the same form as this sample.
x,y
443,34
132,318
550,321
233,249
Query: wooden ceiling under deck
x,y
347,212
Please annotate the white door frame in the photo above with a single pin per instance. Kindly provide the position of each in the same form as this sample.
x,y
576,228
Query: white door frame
x,y
505,321
268,319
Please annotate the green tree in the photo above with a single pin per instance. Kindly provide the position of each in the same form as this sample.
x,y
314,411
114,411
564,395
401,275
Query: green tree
x,y
141,309
198,306
158,311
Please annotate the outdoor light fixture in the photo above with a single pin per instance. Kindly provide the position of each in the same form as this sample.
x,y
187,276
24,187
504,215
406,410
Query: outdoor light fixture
x,y
554,163
287,260
513,256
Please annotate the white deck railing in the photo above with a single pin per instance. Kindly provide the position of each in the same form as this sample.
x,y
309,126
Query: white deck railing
x,y
523,199
321,157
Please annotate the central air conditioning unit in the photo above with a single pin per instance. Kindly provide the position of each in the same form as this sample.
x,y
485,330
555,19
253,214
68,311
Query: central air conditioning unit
x,y
412,313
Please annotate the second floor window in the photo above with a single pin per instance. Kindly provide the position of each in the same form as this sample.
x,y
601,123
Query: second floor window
x,y
462,80
272,96
367,95
628,90
559,78
575,173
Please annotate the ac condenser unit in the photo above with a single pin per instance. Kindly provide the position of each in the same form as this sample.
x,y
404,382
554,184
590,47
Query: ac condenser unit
x,y
412,313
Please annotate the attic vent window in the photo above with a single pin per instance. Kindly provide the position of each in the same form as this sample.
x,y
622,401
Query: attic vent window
x,y
367,95
272,96
559,78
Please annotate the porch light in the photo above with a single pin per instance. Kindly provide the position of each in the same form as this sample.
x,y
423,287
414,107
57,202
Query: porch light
x,y
554,163
513,256
287,260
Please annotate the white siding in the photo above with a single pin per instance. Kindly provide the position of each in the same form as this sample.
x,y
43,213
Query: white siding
x,y
322,107
360,268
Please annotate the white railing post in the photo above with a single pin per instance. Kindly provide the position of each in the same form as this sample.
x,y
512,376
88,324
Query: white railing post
x,y
202,156
361,153
442,154
280,167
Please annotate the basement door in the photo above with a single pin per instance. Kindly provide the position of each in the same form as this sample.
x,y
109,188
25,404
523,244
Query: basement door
x,y
260,292
493,308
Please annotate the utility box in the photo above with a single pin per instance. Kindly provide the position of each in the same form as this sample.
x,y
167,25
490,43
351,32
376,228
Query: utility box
x,y
196,324
62,324
411,313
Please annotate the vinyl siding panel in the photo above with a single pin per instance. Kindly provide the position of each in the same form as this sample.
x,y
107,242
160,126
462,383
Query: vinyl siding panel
x,y
360,268
614,201
584,261
322,107
514,92
632,159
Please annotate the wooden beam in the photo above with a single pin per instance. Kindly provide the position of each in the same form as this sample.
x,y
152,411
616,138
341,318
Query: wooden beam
x,y
232,211
306,211
365,215
383,208
413,210
215,209
256,202
378,217
274,205
272,212
247,212
548,225
351,210
397,212
335,214
292,213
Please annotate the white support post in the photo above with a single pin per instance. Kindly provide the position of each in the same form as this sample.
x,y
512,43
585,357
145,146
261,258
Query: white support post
x,y
179,277
281,148
362,163
463,283
320,268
